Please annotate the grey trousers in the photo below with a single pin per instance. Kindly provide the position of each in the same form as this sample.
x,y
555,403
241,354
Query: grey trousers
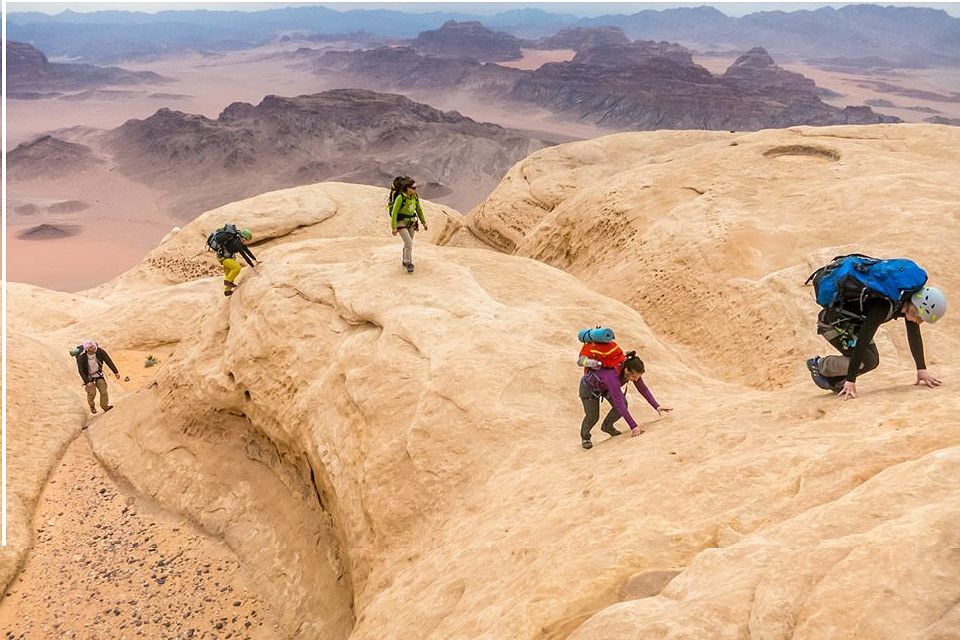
x,y
591,411
406,233
97,385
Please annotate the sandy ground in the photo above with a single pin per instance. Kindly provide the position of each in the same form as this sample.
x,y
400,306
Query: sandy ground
x,y
107,564
122,222
535,58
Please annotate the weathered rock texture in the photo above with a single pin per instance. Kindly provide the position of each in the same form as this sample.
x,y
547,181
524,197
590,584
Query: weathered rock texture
x,y
397,455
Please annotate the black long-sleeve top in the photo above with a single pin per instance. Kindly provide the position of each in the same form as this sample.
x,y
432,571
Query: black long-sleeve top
x,y
234,246
102,356
877,312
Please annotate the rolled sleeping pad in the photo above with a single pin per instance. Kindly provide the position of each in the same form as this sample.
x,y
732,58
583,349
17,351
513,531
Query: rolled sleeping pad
x,y
76,351
600,334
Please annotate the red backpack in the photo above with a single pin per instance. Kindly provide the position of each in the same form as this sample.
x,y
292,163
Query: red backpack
x,y
608,354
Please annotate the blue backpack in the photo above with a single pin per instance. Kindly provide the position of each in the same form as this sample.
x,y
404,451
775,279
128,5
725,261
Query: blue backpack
x,y
856,278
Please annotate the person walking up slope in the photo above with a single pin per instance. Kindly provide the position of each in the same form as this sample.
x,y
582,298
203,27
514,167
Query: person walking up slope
x,y
406,215
90,360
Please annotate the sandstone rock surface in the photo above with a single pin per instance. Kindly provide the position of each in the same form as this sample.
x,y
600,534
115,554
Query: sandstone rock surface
x,y
397,455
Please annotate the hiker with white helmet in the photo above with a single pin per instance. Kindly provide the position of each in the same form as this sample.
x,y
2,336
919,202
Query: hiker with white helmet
x,y
228,241
90,360
858,294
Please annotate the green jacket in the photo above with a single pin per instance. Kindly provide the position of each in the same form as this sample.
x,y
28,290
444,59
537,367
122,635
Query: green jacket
x,y
405,208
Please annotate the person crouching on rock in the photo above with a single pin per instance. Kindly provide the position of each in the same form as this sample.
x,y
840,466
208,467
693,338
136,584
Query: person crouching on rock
x,y
406,215
603,382
853,335
90,361
228,241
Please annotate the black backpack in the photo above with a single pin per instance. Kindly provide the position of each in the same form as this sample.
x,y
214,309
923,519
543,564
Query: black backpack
x,y
219,239
392,200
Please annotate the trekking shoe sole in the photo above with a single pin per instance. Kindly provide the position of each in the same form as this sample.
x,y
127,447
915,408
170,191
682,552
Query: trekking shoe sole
x,y
587,444
613,431
813,366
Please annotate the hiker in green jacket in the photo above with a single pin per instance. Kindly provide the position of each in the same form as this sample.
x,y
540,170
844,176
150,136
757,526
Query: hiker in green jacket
x,y
406,215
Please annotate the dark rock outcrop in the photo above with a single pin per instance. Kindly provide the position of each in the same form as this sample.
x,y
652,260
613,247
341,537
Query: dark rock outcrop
x,y
350,135
637,86
29,72
49,156
581,38
658,92
641,52
403,67
468,40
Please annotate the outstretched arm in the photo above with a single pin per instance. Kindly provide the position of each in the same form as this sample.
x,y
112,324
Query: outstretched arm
x,y
648,395
247,255
611,381
915,340
109,361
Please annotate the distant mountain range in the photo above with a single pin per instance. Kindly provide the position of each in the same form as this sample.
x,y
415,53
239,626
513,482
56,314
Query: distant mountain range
x,y
348,135
899,36
30,74
639,85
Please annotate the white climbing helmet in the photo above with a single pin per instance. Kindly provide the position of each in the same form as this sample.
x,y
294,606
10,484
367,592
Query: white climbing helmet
x,y
931,304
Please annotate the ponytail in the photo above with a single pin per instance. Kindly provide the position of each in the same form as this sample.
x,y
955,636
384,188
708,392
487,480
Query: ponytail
x,y
633,363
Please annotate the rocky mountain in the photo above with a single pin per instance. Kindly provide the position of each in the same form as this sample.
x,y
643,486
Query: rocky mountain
x,y
396,68
635,86
29,71
49,156
579,38
633,53
351,135
908,36
468,40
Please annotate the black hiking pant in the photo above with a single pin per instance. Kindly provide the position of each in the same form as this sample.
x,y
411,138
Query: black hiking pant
x,y
871,360
591,411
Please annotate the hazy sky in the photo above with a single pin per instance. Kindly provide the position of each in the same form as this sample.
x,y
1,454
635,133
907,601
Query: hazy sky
x,y
576,8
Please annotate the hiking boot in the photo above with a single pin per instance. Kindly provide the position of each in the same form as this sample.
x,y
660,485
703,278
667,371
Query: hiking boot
x,y
587,444
813,366
409,267
93,409
107,408
612,430
228,292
